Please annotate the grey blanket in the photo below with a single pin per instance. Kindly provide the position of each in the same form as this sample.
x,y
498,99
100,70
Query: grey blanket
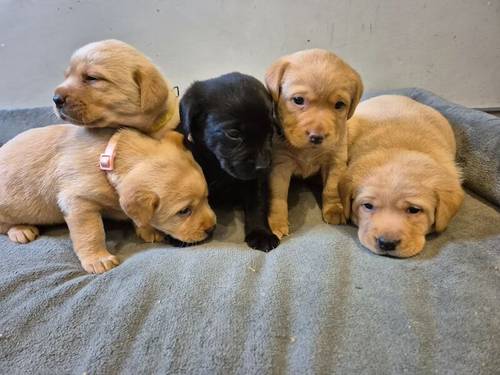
x,y
319,303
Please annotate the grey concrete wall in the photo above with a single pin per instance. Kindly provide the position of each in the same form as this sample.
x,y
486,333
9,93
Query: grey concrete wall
x,y
451,47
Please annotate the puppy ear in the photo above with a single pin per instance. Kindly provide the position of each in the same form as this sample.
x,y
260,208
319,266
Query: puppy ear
x,y
188,112
274,76
139,205
449,200
345,188
357,93
153,88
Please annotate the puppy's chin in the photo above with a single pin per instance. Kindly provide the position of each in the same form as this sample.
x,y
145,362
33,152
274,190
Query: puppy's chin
x,y
239,172
406,249
79,120
65,117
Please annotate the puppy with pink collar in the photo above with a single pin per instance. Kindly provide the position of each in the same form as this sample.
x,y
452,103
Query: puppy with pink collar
x,y
57,174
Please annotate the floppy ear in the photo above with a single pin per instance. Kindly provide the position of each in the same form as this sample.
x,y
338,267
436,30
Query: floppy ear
x,y
188,111
449,200
139,205
153,88
274,76
345,188
357,93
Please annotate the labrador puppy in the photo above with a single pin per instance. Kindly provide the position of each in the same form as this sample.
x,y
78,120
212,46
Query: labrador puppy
x,y
111,84
229,123
402,181
314,92
51,175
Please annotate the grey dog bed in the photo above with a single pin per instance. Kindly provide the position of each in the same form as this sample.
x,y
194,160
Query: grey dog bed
x,y
319,303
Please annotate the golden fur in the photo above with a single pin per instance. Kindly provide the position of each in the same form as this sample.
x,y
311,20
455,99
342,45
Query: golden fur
x,y
323,80
111,84
50,175
401,155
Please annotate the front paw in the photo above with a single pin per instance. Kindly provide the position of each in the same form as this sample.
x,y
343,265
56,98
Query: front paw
x,y
99,263
262,240
279,227
333,213
149,234
22,233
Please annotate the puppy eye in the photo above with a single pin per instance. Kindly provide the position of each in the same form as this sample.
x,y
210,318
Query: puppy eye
x,y
413,210
90,78
298,100
340,105
368,206
185,211
233,134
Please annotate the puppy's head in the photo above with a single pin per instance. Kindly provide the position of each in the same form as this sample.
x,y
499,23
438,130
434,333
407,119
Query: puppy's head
x,y
316,93
110,84
395,205
169,193
230,118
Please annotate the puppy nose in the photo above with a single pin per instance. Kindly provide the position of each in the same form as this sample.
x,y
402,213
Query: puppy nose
x,y
387,244
210,230
316,138
58,100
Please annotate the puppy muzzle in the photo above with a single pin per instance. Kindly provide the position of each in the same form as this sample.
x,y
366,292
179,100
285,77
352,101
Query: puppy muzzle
x,y
240,171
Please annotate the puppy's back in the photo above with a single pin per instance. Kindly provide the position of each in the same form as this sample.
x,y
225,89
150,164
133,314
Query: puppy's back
x,y
392,121
29,156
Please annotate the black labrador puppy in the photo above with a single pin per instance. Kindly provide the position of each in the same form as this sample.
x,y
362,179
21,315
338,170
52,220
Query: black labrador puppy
x,y
228,122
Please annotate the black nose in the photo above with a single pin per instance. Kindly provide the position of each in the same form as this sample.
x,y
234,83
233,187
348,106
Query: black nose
x,y
210,230
387,244
58,100
316,139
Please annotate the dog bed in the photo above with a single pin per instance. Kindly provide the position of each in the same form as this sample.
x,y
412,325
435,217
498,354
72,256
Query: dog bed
x,y
319,303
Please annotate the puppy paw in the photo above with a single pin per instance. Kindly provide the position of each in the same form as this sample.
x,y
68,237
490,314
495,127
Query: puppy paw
x,y
149,234
280,229
333,213
99,263
23,233
262,240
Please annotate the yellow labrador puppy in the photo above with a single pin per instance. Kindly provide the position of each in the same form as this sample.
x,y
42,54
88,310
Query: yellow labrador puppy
x,y
51,175
402,181
315,92
111,84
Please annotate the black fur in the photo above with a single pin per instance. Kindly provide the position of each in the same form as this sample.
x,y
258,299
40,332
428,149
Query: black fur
x,y
230,122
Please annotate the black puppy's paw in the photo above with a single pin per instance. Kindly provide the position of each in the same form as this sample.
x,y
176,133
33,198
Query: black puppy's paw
x,y
262,240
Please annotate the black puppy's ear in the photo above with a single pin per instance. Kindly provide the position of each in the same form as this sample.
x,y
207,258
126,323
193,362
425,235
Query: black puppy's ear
x,y
189,109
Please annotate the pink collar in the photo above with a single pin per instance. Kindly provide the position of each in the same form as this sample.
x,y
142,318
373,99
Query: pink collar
x,y
107,159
